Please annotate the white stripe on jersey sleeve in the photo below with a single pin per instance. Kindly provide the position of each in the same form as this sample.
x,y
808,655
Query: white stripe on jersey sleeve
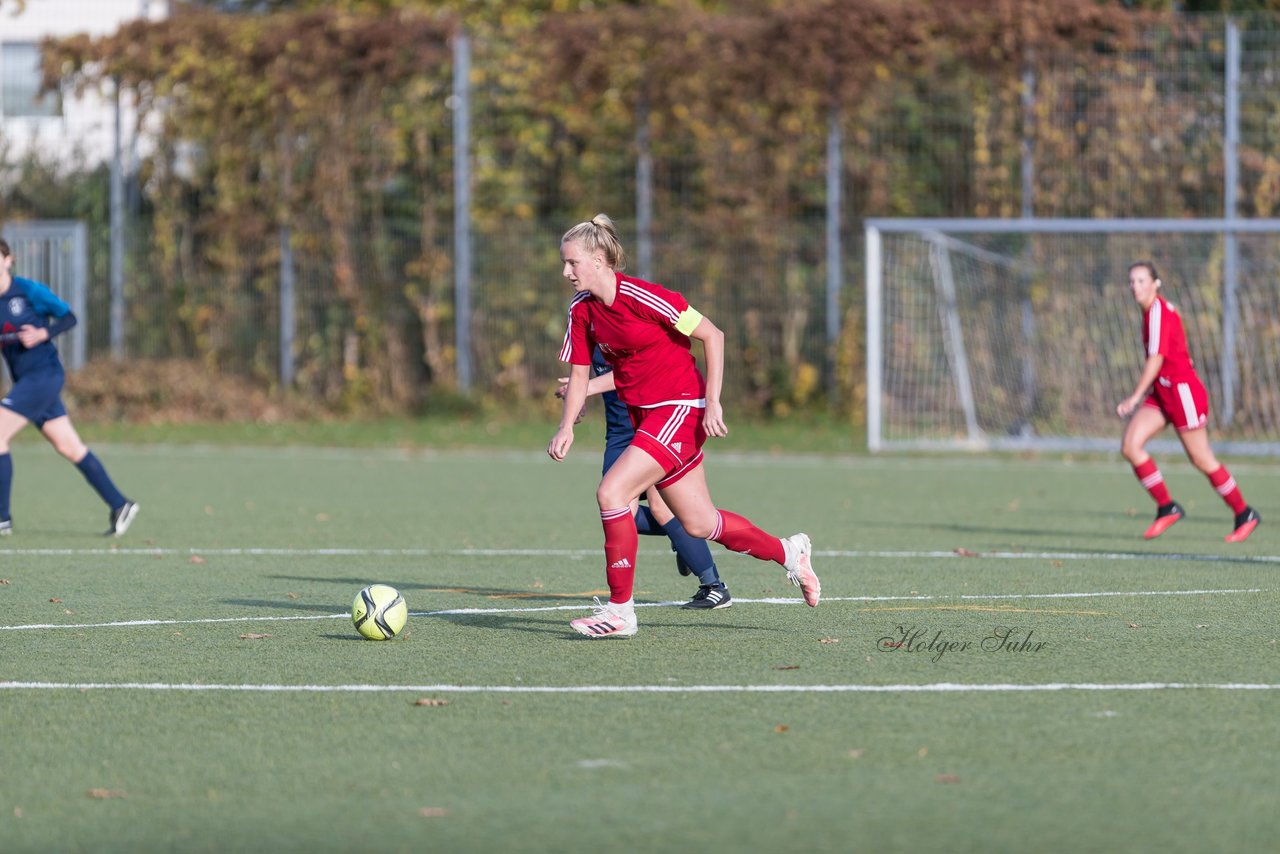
x,y
1153,329
653,301
566,349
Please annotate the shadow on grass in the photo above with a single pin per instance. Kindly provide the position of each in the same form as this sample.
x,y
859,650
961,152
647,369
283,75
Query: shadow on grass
x,y
503,593
289,606
559,625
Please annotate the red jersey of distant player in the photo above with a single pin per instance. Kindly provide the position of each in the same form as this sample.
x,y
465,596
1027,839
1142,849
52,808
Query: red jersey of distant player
x,y
1177,391
651,359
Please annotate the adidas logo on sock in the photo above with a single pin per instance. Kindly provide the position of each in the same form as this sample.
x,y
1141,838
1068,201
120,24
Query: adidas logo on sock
x,y
620,564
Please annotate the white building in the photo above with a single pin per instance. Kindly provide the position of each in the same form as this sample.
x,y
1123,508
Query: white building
x,y
63,126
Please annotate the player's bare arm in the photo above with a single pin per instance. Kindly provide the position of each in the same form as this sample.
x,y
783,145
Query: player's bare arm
x,y
595,385
1150,371
575,397
712,339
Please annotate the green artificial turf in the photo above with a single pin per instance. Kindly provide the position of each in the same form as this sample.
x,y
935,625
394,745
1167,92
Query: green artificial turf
x,y
212,628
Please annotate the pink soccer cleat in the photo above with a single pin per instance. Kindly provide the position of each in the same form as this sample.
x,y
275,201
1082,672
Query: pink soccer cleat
x,y
1246,521
799,570
610,620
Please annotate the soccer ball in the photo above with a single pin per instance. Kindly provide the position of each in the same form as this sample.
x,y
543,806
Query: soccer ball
x,y
379,612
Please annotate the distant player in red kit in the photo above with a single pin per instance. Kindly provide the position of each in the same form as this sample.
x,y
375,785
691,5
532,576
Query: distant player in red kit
x,y
644,331
1170,392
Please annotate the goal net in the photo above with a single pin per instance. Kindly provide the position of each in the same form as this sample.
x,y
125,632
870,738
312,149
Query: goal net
x,y
1022,334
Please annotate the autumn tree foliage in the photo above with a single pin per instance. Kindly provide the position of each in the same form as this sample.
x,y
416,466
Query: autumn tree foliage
x,y
331,122
296,121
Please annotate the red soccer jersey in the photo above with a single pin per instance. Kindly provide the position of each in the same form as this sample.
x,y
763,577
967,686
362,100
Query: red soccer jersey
x,y
1162,333
652,364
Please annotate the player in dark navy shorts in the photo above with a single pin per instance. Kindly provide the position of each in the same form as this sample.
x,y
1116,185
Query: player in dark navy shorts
x,y
30,317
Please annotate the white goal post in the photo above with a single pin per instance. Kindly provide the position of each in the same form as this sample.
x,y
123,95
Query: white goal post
x,y
1021,334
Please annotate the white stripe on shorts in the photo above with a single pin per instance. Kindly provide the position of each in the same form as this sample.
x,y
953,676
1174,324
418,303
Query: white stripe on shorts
x,y
1188,405
678,414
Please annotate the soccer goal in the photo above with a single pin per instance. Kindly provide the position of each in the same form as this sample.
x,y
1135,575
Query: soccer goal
x,y
1022,334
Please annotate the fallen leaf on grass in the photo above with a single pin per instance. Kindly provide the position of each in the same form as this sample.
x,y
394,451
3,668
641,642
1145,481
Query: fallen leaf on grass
x,y
432,812
291,595
922,753
428,701
17,812
947,778
965,553
1056,564
829,640
781,728
857,753
103,794
786,667
195,559
253,636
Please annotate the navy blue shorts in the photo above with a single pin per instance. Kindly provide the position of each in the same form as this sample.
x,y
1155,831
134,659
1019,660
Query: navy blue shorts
x,y
37,397
619,431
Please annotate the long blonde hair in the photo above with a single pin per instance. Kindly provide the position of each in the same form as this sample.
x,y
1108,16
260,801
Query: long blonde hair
x,y
599,235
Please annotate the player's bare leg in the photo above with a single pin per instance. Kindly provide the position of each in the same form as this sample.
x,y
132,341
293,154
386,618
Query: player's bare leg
x,y
62,434
1144,424
690,500
1196,444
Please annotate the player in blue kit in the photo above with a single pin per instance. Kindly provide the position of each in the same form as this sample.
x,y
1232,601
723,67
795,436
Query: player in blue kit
x,y
26,333
693,556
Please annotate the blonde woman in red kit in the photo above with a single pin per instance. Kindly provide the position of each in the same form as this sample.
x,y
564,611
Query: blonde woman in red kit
x,y
645,332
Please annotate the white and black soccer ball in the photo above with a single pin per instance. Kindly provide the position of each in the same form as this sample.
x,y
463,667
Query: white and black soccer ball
x,y
379,612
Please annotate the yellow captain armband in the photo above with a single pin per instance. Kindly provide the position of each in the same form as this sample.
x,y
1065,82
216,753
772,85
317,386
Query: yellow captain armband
x,y
689,320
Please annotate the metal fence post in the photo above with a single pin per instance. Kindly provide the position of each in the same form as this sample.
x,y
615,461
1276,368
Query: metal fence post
x,y
462,206
644,192
1231,257
117,234
835,250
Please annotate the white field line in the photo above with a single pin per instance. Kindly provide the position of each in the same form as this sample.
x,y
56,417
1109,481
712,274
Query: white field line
x,y
588,454
831,553
580,606
933,688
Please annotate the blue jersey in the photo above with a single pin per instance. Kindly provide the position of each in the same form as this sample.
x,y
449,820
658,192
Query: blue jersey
x,y
616,416
29,303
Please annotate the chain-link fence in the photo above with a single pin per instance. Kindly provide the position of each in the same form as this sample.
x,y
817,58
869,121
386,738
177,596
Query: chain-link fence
x,y
737,221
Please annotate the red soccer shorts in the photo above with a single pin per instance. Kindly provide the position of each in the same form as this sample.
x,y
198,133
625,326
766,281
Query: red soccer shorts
x,y
1184,404
672,435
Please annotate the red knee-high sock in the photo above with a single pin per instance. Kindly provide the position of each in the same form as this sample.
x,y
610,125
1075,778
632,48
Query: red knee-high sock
x,y
1226,486
620,544
1151,479
736,533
